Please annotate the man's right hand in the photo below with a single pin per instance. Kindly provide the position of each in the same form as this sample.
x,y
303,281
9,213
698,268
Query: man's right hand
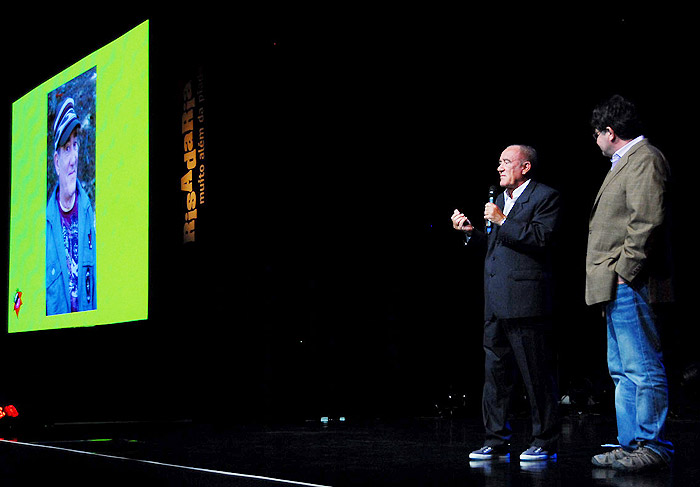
x,y
461,222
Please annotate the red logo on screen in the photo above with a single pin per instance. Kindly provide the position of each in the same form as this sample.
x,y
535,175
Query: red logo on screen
x,y
18,301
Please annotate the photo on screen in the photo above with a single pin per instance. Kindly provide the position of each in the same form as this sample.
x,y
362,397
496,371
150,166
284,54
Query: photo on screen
x,y
70,205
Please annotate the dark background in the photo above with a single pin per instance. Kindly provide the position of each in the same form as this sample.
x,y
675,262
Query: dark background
x,y
325,278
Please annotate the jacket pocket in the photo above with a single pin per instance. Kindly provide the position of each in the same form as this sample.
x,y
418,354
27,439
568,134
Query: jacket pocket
x,y
55,292
526,275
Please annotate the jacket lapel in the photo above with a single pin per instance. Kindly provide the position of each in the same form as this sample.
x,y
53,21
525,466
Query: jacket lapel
x,y
522,199
616,170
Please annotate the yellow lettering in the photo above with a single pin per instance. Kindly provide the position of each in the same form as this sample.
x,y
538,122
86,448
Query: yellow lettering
x,y
187,91
191,200
186,182
188,141
187,121
188,231
191,159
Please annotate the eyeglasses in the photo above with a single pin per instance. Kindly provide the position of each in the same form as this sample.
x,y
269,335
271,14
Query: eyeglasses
x,y
597,133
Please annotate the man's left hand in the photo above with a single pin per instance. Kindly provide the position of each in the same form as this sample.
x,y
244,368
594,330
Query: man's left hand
x,y
493,214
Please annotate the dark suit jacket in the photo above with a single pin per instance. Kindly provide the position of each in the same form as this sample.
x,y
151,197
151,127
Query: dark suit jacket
x,y
518,265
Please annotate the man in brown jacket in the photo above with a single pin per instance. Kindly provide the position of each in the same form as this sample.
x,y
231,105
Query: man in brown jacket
x,y
628,269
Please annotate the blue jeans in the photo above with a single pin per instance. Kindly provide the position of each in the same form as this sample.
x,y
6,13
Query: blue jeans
x,y
636,366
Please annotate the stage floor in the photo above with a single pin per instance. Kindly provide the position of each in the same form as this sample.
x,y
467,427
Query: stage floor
x,y
409,452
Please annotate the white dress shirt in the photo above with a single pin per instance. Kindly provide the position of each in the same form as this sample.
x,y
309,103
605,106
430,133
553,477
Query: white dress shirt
x,y
510,200
623,150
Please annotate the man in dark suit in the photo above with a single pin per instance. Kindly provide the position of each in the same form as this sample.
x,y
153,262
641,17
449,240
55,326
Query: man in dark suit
x,y
518,285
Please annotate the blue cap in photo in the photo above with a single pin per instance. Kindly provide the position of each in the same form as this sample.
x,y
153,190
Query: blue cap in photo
x,y
66,121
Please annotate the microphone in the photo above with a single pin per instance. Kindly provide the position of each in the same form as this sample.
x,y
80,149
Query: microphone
x,y
492,195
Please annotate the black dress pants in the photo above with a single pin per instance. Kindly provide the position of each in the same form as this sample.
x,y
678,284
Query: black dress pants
x,y
522,344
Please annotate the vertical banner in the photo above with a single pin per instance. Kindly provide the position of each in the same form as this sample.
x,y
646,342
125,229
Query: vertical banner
x,y
193,182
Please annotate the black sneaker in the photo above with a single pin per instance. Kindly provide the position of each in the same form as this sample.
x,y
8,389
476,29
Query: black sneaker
x,y
537,454
489,453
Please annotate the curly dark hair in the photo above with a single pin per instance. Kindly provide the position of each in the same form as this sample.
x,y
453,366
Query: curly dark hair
x,y
620,114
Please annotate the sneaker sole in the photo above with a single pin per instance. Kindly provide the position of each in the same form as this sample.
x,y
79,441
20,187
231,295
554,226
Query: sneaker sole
x,y
542,458
477,456
645,468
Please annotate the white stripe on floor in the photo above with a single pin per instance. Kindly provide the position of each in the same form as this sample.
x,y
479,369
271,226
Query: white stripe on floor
x,y
149,462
